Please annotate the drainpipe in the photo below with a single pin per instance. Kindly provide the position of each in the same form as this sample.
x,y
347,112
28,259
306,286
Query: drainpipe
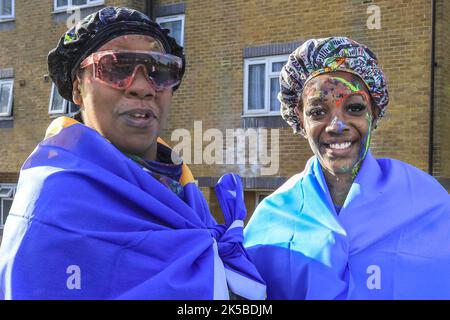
x,y
432,67
149,9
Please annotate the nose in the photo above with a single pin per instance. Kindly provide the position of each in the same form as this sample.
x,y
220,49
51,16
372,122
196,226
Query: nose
x,y
337,125
140,86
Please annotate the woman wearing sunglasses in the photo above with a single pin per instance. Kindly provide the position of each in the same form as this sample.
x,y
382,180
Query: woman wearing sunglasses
x,y
350,226
104,209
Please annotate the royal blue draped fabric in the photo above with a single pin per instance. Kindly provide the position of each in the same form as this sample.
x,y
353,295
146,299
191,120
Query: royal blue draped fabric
x,y
87,222
391,239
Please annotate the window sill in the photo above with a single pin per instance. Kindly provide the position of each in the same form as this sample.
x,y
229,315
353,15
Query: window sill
x,y
57,115
7,20
254,115
263,121
7,24
61,15
6,122
65,9
249,183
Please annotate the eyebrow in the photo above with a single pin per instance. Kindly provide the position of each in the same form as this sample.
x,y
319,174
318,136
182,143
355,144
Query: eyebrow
x,y
313,100
360,93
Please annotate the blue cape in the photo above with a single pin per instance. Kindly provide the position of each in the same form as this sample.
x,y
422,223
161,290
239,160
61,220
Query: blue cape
x,y
87,222
391,239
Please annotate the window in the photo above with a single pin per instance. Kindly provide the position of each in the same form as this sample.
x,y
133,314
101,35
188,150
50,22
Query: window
x,y
66,4
59,105
6,9
261,85
260,197
7,192
176,26
6,97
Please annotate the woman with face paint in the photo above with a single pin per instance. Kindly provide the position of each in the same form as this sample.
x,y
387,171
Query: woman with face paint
x,y
104,209
350,226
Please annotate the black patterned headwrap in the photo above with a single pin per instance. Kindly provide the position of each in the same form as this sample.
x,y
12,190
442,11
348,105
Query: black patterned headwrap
x,y
94,31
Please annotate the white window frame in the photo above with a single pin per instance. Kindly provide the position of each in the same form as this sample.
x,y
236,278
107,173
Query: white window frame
x,y
89,3
11,16
177,17
13,188
267,61
65,105
10,99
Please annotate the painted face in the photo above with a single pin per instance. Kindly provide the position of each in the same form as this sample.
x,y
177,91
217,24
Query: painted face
x,y
337,115
132,118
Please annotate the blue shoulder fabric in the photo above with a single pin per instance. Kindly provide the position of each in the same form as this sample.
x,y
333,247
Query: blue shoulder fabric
x,y
88,223
390,240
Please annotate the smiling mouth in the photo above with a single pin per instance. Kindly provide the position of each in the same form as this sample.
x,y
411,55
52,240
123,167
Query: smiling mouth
x,y
339,146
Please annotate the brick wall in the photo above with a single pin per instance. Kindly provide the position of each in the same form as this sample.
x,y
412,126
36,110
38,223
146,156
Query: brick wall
x,y
9,177
442,97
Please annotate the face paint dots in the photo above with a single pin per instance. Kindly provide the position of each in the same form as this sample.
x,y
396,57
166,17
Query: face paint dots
x,y
339,123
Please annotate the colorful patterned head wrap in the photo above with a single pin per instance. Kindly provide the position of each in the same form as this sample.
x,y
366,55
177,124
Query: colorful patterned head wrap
x,y
317,56
94,31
